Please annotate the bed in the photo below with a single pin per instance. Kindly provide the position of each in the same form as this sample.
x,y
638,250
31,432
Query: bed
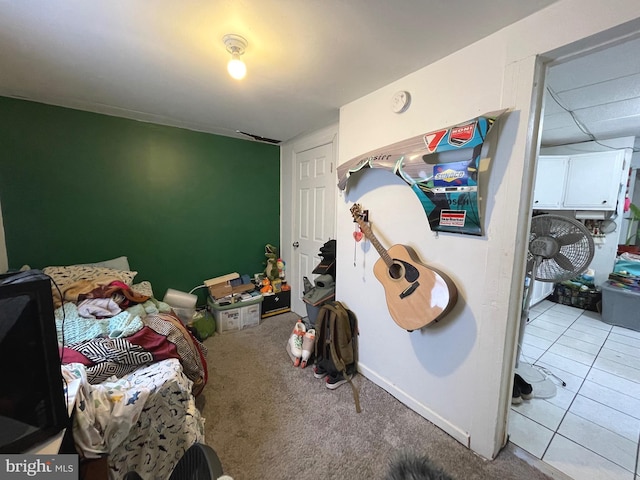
x,y
131,368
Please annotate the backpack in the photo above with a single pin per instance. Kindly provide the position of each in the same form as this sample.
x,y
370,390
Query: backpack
x,y
336,344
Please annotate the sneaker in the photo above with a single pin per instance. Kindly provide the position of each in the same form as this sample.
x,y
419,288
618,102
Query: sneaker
x,y
516,396
526,390
319,372
308,346
334,381
295,342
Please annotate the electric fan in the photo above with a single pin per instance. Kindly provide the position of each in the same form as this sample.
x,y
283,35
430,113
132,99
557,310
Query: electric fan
x,y
560,248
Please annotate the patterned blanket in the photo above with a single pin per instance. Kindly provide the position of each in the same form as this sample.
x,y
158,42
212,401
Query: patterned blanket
x,y
144,421
139,373
160,337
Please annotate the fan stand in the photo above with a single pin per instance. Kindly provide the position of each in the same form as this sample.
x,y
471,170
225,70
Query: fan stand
x,y
559,248
542,386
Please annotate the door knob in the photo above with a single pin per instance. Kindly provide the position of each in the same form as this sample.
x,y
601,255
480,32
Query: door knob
x,y
296,244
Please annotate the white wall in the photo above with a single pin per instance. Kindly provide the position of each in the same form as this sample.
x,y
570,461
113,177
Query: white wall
x,y
456,374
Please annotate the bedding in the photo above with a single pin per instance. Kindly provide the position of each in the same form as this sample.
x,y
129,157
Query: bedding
x,y
143,421
70,281
138,366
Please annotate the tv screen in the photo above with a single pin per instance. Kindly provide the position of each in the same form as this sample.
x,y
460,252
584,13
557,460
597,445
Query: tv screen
x,y
32,402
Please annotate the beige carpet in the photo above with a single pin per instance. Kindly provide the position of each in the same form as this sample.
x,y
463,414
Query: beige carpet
x,y
269,420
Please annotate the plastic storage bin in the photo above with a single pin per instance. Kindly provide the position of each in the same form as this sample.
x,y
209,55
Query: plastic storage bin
x,y
620,306
228,320
312,314
235,316
313,310
250,315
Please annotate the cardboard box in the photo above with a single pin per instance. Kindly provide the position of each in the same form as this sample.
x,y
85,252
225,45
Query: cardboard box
x,y
276,303
222,286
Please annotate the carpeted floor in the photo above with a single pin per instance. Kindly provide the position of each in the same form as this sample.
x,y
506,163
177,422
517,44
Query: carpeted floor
x,y
268,419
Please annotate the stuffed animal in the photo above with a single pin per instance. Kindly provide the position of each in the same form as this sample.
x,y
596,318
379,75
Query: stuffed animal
x,y
266,286
271,271
280,264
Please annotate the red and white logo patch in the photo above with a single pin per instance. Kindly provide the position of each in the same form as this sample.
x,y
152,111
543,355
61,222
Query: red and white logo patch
x,y
432,140
462,134
452,218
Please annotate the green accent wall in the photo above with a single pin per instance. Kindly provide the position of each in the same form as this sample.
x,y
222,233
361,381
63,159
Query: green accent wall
x,y
183,206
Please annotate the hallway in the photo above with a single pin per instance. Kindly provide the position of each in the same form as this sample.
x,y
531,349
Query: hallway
x,y
590,429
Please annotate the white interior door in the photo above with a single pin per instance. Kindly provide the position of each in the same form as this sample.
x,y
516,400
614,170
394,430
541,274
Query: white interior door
x,y
314,187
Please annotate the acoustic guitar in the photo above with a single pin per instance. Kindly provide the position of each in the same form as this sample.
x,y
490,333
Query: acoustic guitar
x,y
416,294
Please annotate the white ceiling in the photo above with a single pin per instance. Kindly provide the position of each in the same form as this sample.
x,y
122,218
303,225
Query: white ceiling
x,y
164,61
602,92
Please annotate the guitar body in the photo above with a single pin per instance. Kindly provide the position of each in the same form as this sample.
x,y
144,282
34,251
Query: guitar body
x,y
416,295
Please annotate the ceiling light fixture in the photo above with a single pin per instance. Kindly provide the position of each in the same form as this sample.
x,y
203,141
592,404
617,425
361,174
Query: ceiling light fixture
x,y
235,46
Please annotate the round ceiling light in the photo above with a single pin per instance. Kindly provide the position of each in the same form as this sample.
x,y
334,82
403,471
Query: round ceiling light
x,y
236,46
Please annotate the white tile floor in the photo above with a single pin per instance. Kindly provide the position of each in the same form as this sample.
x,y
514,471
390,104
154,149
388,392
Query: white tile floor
x,y
591,428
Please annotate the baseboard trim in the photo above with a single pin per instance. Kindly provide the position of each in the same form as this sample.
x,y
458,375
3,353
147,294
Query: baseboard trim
x,y
421,409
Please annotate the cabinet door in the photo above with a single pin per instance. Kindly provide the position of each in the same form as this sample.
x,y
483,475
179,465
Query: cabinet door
x,y
541,290
593,180
550,179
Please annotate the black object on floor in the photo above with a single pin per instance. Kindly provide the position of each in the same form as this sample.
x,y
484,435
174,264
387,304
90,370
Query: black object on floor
x,y
526,390
199,462
516,396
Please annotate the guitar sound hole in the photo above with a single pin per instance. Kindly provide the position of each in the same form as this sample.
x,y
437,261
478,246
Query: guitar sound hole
x,y
400,269
396,271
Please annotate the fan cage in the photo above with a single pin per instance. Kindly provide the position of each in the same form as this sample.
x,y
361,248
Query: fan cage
x,y
574,257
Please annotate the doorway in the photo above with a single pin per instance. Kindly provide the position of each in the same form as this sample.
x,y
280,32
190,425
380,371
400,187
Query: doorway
x,y
310,183
591,428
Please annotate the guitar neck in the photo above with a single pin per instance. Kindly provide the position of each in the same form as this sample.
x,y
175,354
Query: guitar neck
x,y
366,229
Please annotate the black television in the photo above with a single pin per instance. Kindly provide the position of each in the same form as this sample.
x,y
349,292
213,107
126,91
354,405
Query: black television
x,y
32,399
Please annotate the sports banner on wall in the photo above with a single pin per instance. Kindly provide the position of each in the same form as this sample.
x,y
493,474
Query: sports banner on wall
x,y
441,167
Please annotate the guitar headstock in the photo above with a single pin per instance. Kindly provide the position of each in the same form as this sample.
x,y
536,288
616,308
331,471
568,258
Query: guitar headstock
x,y
356,211
361,217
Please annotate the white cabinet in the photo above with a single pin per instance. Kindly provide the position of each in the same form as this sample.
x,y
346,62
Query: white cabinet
x,y
550,179
541,290
593,180
588,181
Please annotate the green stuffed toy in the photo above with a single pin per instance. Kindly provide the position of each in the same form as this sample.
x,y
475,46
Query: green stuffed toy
x,y
271,253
